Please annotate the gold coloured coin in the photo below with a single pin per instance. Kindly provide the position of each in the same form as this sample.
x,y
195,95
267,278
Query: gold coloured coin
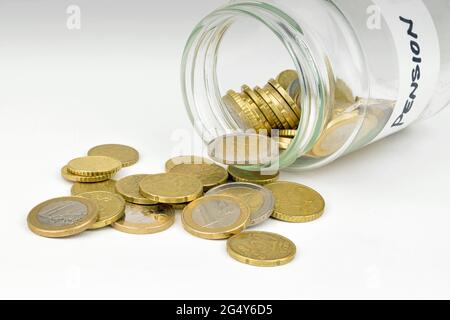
x,y
210,175
287,133
263,106
110,207
295,202
283,107
247,111
108,186
128,188
238,111
171,188
287,98
125,154
243,149
258,177
141,219
91,166
261,249
186,160
284,143
62,217
215,217
260,117
75,178
286,78
336,134
274,106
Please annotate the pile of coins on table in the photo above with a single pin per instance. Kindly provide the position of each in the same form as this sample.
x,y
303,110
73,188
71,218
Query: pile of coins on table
x,y
212,207
276,106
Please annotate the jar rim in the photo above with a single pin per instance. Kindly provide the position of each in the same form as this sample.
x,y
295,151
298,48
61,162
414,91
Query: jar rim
x,y
201,51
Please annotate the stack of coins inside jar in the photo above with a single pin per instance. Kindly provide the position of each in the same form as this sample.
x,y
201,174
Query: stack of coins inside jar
x,y
275,108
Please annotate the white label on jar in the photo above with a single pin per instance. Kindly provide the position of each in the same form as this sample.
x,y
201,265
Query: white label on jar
x,y
418,50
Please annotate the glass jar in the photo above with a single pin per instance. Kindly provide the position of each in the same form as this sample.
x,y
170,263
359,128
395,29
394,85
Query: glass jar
x,y
365,69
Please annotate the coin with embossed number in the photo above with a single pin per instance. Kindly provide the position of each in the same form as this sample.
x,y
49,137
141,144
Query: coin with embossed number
x,y
62,217
110,207
295,202
141,219
216,217
259,199
261,249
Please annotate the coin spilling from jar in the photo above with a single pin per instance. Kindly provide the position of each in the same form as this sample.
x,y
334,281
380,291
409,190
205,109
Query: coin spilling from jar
x,y
217,202
275,110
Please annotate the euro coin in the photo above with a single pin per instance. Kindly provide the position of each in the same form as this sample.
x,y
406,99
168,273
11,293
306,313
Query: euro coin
x,y
81,179
337,133
284,143
237,110
286,78
247,112
140,219
186,160
259,199
216,217
171,188
62,217
287,133
243,149
295,202
125,154
258,177
110,207
287,98
210,175
261,249
94,166
108,186
128,188
263,124
274,106
283,107
263,107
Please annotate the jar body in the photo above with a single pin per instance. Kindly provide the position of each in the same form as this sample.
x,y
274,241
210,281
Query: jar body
x,y
365,69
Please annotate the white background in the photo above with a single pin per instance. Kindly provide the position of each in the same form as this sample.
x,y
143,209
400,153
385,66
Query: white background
x,y
385,233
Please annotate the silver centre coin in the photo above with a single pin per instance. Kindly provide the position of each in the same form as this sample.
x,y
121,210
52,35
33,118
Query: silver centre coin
x,y
259,199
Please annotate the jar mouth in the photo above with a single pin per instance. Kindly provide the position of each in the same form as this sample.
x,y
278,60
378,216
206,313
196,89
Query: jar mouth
x,y
200,86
